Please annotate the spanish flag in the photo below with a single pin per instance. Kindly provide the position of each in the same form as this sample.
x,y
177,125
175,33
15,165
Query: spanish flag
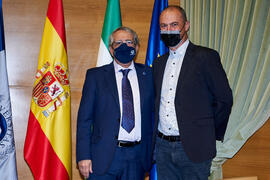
x,y
47,147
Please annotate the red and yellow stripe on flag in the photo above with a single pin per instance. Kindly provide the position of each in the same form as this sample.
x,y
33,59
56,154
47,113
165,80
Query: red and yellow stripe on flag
x,y
47,148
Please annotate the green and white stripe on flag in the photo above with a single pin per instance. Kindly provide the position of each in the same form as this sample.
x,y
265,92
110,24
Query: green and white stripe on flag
x,y
112,21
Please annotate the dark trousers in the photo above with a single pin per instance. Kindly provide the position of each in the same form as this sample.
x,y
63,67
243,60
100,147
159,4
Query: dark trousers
x,y
173,163
126,165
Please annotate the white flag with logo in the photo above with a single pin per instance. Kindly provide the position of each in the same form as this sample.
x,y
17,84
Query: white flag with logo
x,y
8,168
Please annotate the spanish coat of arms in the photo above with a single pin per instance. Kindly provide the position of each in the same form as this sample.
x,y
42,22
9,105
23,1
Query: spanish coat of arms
x,y
50,87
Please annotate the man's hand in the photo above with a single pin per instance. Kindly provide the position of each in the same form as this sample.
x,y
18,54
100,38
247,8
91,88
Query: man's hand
x,y
85,166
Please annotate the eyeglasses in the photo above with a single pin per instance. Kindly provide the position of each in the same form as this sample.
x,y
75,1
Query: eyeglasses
x,y
120,42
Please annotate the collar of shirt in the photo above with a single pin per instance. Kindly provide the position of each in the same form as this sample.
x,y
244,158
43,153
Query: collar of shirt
x,y
179,51
117,67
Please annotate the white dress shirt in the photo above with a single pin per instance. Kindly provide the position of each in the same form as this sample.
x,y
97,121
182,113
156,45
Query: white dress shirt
x,y
135,134
167,114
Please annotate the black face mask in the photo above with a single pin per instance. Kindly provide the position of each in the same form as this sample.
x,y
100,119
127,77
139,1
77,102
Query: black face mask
x,y
170,38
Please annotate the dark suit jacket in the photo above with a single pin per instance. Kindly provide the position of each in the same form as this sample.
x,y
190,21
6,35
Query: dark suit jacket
x,y
99,117
203,100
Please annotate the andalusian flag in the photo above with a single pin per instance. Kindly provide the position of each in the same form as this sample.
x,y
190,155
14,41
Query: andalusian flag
x,y
112,21
47,148
7,146
155,49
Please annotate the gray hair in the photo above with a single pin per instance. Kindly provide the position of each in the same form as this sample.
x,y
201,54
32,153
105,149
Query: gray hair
x,y
127,29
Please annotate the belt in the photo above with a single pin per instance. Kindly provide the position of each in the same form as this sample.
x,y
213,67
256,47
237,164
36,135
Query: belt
x,y
127,143
169,138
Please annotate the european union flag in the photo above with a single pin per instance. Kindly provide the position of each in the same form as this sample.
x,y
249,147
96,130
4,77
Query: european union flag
x,y
156,47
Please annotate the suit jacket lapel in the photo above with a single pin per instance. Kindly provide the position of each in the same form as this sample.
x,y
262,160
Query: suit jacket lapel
x,y
185,66
141,81
110,80
160,69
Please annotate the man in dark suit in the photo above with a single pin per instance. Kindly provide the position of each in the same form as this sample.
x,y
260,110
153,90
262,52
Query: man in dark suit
x,y
192,104
114,127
